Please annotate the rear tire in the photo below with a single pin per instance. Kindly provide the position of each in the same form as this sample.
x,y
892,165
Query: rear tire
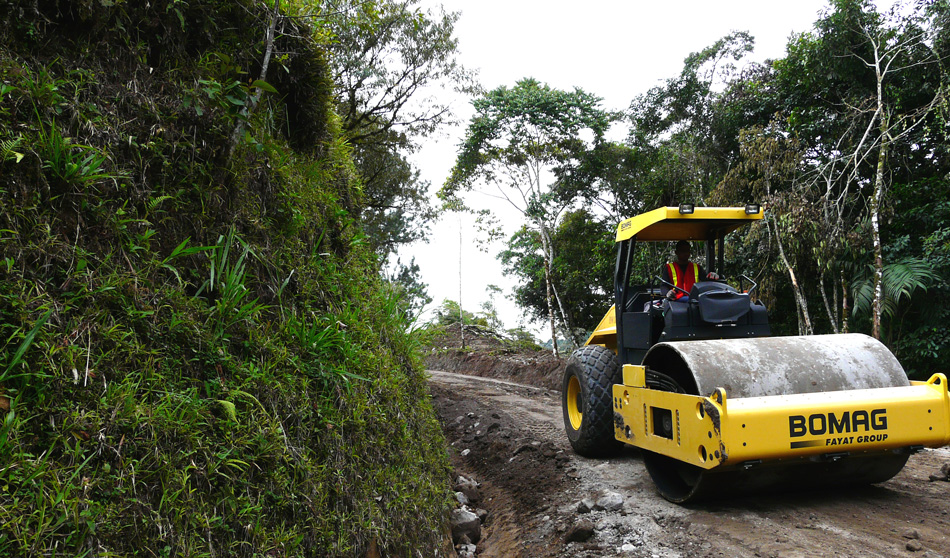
x,y
587,400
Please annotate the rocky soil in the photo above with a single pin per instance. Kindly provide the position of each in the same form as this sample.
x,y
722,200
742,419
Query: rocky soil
x,y
535,498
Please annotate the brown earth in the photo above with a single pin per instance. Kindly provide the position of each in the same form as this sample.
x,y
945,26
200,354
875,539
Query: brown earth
x,y
510,438
486,355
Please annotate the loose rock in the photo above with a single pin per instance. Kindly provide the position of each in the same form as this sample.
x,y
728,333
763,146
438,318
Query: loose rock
x,y
580,531
466,550
944,473
525,447
914,546
465,523
585,505
610,501
468,487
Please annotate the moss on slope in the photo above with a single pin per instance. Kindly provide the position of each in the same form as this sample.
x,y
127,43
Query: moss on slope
x,y
198,357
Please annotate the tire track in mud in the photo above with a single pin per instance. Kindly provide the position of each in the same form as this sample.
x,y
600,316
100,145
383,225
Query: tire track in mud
x,y
526,463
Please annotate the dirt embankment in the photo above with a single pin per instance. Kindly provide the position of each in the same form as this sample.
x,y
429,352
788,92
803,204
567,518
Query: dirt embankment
x,y
545,501
486,355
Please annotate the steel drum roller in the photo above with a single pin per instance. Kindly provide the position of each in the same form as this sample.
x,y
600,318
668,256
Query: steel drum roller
x,y
775,366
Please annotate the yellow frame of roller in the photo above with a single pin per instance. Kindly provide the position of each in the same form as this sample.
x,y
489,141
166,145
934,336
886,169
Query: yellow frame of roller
x,y
719,432
716,431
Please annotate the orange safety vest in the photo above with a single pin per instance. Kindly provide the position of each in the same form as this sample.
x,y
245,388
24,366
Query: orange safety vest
x,y
692,272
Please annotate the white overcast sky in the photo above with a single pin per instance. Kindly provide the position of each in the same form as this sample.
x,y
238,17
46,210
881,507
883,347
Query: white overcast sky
x,y
613,49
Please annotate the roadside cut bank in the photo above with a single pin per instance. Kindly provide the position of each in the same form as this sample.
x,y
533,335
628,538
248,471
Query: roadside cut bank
x,y
199,358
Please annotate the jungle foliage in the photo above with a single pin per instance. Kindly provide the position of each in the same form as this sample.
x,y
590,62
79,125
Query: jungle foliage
x,y
389,60
517,138
582,269
199,357
844,140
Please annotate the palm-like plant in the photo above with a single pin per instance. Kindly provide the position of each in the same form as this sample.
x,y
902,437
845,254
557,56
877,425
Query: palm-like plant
x,y
900,281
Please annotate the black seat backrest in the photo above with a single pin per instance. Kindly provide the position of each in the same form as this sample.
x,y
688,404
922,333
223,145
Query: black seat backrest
x,y
709,286
719,303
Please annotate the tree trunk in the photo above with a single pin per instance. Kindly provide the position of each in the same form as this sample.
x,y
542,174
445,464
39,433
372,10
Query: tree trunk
x,y
844,303
834,291
804,325
549,298
251,105
567,324
548,248
876,200
546,252
824,297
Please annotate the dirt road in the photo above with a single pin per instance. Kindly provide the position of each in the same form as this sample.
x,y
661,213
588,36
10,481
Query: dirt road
x,y
510,438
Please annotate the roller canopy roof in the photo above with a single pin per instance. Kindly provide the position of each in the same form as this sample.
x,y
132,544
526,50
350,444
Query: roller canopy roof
x,y
667,223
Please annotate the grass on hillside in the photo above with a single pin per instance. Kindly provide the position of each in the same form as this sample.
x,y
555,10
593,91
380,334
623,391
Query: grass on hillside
x,y
198,358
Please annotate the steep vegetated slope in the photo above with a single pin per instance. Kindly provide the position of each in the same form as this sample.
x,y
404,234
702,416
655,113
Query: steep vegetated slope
x,y
198,357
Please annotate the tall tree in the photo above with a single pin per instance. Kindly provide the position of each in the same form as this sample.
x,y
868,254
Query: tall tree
x,y
582,270
767,171
518,141
902,46
390,60
396,207
684,143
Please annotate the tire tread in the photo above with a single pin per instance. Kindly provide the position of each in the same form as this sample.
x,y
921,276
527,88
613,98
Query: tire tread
x,y
598,369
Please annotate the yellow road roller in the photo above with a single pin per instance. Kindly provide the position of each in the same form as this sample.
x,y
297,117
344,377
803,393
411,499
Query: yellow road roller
x,y
716,403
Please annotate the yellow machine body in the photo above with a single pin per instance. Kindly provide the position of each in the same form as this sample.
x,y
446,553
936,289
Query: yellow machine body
x,y
606,331
718,432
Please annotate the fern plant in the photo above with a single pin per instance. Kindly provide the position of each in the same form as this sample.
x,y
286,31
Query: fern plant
x,y
8,150
900,281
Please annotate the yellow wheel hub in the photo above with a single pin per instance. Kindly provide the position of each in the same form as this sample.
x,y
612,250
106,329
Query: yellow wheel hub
x,y
574,412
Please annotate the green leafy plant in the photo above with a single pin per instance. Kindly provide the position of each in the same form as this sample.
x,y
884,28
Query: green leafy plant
x,y
324,350
901,279
10,373
182,251
70,162
8,149
226,285
221,89
173,396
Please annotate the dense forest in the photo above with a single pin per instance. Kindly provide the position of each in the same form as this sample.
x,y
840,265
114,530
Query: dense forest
x,y
843,140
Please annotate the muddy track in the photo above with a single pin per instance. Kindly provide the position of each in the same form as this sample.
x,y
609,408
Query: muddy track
x,y
532,483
